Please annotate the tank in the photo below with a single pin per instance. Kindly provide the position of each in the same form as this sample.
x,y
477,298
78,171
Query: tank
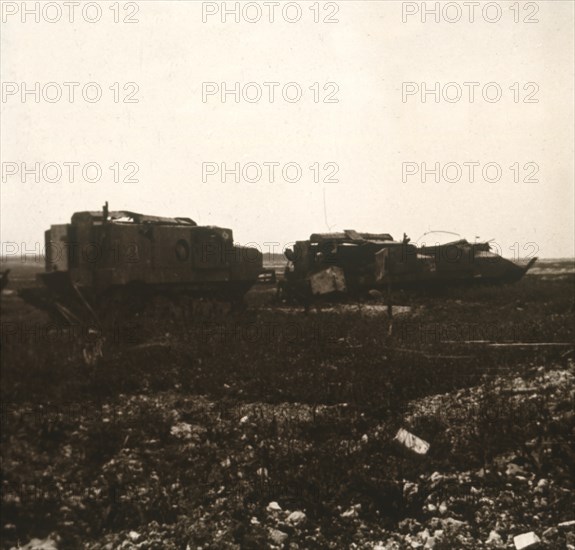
x,y
104,262
352,263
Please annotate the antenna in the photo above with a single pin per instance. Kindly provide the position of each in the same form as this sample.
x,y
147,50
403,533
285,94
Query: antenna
x,y
325,212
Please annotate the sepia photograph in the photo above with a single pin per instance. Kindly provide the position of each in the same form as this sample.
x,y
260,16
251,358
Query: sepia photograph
x,y
287,275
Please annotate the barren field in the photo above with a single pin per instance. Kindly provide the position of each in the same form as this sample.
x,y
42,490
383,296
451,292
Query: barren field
x,y
273,428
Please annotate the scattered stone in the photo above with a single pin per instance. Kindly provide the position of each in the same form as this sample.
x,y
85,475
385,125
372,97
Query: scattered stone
x,y
409,525
274,507
278,537
443,508
514,470
550,533
296,518
543,483
452,524
134,536
254,521
351,512
423,535
567,524
411,442
38,544
494,539
526,540
181,430
435,478
410,489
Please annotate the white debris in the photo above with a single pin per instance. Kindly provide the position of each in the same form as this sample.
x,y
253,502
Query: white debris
x,y
182,430
351,512
278,537
494,539
134,535
274,507
412,442
566,524
297,517
38,544
244,419
526,540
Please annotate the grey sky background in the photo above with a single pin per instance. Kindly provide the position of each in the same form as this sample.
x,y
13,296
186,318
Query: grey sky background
x,y
369,133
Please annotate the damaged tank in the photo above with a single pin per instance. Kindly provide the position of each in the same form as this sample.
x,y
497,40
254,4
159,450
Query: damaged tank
x,y
121,262
352,263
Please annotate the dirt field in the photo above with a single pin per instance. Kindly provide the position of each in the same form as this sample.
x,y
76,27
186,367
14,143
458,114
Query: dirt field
x,y
272,428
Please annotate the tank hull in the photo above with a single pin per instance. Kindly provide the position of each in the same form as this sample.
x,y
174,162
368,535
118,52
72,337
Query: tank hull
x,y
102,260
353,263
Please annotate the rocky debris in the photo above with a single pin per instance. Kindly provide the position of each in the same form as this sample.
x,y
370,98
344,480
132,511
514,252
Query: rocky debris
x,y
542,486
526,540
567,524
351,512
181,430
296,518
273,507
453,525
38,544
494,540
438,491
550,533
514,470
411,442
278,537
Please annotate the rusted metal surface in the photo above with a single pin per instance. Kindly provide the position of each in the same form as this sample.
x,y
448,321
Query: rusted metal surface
x,y
103,254
4,279
376,261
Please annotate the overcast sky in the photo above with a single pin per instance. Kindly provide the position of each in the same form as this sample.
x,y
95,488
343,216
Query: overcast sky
x,y
361,143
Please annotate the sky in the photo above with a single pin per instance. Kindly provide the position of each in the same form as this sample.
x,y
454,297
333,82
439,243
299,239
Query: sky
x,y
348,154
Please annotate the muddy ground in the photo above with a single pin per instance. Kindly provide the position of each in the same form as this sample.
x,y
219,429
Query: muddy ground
x,y
272,428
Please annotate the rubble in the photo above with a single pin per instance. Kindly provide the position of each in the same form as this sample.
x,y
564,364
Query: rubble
x,y
278,537
526,540
351,512
273,507
567,524
38,544
411,442
296,518
494,540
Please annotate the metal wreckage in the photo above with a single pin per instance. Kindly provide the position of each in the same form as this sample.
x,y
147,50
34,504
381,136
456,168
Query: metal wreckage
x,y
121,263
352,263
117,264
